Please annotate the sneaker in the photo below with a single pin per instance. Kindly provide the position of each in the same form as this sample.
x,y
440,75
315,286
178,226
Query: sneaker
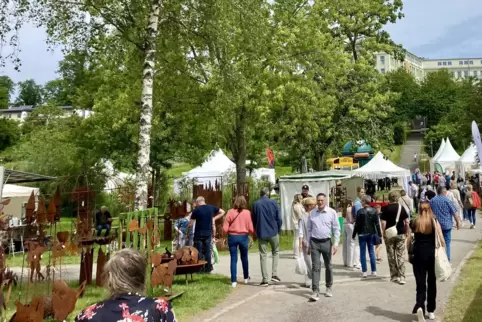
x,y
315,296
246,280
374,274
365,274
264,284
233,284
420,316
402,281
275,279
357,266
431,316
395,280
328,292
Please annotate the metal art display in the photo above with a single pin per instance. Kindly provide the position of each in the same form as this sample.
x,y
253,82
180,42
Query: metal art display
x,y
187,255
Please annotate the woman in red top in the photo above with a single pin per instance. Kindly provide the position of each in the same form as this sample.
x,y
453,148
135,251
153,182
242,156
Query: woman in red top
x,y
238,225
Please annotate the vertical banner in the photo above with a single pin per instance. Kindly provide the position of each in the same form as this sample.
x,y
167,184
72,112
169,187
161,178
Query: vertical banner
x,y
477,141
270,156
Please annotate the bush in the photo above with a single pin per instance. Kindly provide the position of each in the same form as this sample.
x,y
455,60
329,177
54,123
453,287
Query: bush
x,y
399,134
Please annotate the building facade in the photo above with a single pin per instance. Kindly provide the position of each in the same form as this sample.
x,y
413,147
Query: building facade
x,y
419,67
20,113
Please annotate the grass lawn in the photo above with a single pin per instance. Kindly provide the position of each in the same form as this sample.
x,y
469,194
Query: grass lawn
x,y
393,154
203,293
465,303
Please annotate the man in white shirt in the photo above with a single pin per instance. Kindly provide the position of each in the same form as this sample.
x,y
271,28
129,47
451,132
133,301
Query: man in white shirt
x,y
322,225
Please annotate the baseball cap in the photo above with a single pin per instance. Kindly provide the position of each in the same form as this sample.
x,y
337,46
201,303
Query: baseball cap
x,y
305,187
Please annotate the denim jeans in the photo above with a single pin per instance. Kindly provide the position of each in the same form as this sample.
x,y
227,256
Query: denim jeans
x,y
203,246
447,237
101,227
466,216
367,241
471,215
241,241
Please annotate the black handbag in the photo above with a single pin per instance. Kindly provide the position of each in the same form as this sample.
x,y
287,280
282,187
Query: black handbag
x,y
410,249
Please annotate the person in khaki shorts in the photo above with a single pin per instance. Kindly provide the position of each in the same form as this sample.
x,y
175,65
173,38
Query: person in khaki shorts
x,y
267,224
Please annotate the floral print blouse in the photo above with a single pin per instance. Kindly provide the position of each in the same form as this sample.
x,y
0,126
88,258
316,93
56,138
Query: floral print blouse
x,y
129,308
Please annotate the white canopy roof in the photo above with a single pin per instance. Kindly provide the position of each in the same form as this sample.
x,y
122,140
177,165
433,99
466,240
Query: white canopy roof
x,y
217,164
468,157
440,149
448,155
12,190
379,168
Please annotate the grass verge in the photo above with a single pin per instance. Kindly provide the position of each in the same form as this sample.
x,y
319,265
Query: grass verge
x,y
203,293
465,302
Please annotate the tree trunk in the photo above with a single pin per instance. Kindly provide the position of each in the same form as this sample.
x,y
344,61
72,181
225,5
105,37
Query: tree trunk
x,y
145,122
240,157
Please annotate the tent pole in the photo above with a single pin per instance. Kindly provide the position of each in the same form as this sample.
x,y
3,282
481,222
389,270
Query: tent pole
x,y
2,173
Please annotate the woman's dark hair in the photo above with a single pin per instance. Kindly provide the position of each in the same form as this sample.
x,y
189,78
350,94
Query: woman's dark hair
x,y
240,203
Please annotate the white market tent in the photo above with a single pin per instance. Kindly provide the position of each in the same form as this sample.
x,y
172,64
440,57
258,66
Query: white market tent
x,y
18,196
115,179
439,151
321,181
467,160
379,168
216,167
447,157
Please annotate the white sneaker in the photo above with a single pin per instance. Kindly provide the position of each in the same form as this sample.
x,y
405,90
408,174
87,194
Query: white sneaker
x,y
315,296
402,281
365,275
420,316
233,284
246,281
328,292
431,316
374,274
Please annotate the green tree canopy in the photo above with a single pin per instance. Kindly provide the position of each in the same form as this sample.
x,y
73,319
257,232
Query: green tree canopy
x,y
29,93
7,87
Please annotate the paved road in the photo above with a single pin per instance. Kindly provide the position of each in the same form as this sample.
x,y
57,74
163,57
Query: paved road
x,y
353,299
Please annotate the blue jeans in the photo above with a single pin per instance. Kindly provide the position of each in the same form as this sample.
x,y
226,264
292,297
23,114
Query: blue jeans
x,y
466,216
367,241
241,241
447,237
471,215
101,227
203,246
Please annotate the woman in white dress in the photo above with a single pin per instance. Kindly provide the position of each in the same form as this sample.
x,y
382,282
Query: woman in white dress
x,y
297,212
308,204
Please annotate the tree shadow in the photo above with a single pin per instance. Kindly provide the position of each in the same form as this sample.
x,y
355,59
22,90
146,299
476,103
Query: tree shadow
x,y
395,316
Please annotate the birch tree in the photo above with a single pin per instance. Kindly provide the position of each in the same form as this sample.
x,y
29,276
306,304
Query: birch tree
x,y
85,25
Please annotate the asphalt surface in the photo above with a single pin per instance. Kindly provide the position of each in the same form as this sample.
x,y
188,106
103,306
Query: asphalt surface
x,y
354,298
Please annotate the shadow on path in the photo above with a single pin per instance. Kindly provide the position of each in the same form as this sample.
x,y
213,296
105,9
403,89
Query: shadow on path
x,y
394,316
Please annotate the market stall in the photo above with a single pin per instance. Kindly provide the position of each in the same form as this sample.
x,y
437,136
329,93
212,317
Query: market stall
x,y
439,151
322,181
447,158
379,168
466,161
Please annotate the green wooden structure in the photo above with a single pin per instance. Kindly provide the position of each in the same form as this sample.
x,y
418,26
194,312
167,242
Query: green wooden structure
x,y
137,240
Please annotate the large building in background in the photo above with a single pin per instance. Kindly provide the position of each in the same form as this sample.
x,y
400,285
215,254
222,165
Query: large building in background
x,y
419,67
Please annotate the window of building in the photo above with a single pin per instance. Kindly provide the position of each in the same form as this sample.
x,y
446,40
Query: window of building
x,y
461,62
449,63
475,73
459,73
466,73
440,63
382,70
466,62
382,59
471,62
452,74
444,63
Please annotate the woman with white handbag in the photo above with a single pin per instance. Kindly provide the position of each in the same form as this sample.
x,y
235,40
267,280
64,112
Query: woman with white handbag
x,y
426,251
395,220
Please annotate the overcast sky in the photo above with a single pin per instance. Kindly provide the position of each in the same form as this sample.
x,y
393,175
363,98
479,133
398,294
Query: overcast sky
x,y
431,28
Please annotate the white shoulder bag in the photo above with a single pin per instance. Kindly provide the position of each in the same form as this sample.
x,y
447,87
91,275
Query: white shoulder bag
x,y
392,231
443,269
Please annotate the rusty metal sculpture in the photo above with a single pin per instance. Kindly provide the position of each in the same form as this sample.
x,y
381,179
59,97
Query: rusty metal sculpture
x,y
164,275
33,312
35,251
64,299
102,259
187,255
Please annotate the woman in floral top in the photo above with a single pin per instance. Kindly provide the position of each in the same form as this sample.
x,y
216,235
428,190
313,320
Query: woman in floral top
x,y
125,276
